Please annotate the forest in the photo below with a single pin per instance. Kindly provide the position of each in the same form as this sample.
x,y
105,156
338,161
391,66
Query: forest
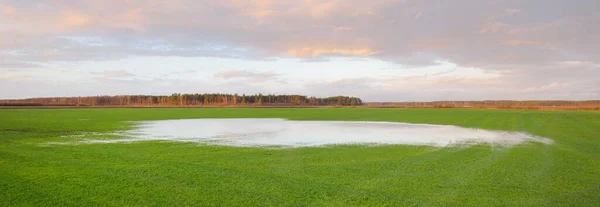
x,y
177,99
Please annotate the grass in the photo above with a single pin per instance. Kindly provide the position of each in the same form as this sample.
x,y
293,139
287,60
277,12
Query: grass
x,y
32,173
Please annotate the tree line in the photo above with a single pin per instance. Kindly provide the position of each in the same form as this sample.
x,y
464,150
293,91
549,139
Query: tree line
x,y
178,99
499,104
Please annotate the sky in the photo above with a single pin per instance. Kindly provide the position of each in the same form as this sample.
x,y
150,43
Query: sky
x,y
378,50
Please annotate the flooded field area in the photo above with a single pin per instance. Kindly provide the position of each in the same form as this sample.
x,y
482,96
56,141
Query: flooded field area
x,y
288,133
199,156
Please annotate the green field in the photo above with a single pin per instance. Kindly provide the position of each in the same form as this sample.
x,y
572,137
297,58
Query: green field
x,y
33,172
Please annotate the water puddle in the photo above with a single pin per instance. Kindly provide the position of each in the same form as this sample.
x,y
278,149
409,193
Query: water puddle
x,y
287,133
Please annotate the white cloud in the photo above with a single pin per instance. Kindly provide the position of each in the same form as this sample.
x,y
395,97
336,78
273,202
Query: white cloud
x,y
550,86
117,74
513,45
249,76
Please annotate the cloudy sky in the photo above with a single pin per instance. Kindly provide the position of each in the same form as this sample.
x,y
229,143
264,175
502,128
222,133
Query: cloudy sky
x,y
379,50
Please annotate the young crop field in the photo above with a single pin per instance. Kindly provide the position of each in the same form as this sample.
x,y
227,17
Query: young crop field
x,y
42,164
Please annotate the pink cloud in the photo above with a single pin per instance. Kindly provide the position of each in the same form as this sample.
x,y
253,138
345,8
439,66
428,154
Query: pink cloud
x,y
307,52
8,10
516,42
73,18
